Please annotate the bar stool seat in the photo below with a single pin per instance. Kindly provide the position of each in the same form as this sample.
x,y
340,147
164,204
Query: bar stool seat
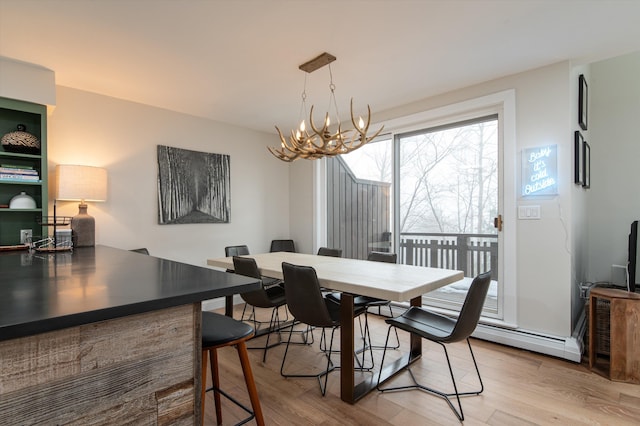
x,y
219,331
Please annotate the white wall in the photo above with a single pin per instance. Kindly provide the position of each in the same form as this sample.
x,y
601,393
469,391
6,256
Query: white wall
x,y
614,197
122,136
544,99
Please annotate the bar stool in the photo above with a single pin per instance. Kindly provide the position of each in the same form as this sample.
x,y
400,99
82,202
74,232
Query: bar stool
x,y
219,331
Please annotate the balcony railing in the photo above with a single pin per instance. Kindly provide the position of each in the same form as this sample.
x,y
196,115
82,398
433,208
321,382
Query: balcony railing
x,y
471,253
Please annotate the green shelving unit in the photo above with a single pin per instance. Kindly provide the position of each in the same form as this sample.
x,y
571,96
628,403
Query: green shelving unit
x,y
12,221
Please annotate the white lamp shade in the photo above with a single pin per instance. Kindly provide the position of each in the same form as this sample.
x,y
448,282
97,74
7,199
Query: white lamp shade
x,y
81,183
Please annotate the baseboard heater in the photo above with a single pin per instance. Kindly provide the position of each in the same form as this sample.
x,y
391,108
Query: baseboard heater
x,y
569,348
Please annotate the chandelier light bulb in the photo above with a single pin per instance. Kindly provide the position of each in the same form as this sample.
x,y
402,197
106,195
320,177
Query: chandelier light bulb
x,y
302,127
360,123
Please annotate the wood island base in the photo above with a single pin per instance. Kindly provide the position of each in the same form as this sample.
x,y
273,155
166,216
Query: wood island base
x,y
137,369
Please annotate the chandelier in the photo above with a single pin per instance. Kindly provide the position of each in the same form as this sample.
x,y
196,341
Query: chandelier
x,y
321,142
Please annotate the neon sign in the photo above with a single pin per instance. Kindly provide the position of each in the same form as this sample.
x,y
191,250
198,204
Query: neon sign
x,y
540,171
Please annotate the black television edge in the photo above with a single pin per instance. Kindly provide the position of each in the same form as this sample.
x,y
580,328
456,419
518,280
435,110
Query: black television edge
x,y
634,262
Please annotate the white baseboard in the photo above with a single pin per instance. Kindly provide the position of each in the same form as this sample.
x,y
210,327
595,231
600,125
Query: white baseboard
x,y
569,348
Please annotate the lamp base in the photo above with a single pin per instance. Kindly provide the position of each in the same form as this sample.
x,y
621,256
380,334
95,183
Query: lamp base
x,y
83,227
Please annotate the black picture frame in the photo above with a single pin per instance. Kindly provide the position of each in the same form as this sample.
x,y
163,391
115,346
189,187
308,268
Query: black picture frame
x,y
586,158
193,186
583,101
578,162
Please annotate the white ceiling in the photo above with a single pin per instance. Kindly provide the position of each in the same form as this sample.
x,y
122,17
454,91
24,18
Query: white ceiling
x,y
237,61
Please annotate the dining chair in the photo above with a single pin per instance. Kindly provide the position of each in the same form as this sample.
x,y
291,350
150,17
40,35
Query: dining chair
x,y
240,250
333,252
142,250
265,297
282,245
442,329
243,250
368,301
219,331
308,306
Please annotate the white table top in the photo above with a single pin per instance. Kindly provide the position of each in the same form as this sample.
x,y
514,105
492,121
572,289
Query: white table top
x,y
376,279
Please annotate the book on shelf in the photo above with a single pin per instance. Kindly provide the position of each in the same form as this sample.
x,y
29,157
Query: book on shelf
x,y
17,170
26,178
16,166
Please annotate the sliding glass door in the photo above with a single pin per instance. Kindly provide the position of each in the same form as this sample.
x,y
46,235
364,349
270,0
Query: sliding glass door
x,y
430,195
447,201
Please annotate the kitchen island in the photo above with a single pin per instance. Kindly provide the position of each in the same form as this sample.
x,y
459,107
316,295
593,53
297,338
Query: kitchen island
x,y
103,335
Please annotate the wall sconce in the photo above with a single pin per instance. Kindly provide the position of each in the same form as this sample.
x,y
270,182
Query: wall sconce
x,y
81,183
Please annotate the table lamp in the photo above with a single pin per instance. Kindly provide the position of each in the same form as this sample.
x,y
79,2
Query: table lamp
x,y
81,183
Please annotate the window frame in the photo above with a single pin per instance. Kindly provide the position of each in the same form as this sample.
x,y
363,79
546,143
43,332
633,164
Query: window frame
x,y
504,105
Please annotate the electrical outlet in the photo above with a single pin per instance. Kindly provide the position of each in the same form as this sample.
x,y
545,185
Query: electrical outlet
x,y
25,235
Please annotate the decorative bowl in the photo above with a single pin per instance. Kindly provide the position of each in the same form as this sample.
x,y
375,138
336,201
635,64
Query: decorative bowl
x,y
21,141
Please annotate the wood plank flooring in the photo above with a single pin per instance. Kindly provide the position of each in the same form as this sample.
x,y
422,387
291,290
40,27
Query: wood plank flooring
x,y
521,388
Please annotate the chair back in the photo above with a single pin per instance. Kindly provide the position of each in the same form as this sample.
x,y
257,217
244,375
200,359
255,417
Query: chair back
x,y
304,298
248,267
282,245
242,250
472,308
326,251
380,256
142,250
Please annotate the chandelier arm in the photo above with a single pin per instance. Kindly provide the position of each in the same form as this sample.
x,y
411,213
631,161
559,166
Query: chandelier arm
x,y
363,132
281,155
285,145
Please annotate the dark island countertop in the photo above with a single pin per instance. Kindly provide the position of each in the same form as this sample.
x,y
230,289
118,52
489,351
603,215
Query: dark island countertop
x,y
42,292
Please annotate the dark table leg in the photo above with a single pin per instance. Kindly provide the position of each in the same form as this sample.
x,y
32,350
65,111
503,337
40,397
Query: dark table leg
x,y
228,306
347,379
349,391
416,341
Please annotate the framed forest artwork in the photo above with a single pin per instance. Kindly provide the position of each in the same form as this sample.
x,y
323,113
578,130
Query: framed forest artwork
x,y
193,186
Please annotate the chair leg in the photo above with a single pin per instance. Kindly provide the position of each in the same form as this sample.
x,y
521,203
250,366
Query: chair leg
x,y
203,389
249,380
274,325
366,343
446,396
329,369
215,380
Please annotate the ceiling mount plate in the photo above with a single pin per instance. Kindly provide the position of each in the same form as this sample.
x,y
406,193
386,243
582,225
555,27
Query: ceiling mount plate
x,y
317,62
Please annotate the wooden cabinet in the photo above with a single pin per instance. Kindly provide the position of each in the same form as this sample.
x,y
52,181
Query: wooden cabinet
x,y
34,117
621,310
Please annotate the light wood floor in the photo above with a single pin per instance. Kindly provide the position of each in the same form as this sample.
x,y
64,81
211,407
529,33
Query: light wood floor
x,y
521,388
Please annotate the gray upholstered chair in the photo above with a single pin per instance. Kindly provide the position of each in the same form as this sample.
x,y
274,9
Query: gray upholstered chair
x,y
442,329
308,306
333,252
142,250
240,250
282,245
266,297
368,301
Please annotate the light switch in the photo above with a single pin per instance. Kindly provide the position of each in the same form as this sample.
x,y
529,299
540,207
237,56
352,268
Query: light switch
x,y
528,212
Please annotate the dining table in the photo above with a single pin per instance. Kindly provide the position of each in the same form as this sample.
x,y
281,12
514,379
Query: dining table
x,y
353,277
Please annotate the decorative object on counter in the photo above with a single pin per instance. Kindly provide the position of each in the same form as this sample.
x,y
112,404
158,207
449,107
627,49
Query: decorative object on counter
x,y
21,141
53,244
81,183
22,201
322,142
